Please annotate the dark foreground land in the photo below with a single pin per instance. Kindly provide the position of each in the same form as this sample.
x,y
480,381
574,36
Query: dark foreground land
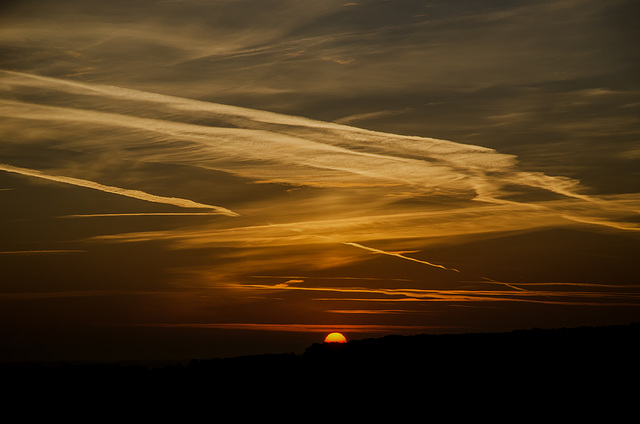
x,y
553,364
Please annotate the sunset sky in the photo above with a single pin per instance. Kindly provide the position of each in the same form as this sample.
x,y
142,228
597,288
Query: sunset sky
x,y
210,178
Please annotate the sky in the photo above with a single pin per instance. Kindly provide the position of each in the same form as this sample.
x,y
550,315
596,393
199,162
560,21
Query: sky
x,y
193,179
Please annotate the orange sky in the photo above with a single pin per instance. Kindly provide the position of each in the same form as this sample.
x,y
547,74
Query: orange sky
x,y
201,179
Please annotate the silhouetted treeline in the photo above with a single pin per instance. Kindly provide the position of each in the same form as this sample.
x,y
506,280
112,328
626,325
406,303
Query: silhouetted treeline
x,y
553,361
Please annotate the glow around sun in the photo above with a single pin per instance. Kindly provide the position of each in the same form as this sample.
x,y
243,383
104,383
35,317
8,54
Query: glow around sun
x,y
335,338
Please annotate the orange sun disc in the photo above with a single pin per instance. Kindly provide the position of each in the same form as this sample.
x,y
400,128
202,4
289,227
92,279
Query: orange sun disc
x,y
335,338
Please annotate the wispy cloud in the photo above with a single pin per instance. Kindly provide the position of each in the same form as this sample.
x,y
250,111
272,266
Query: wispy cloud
x,y
351,119
302,328
461,157
63,294
302,151
41,252
474,296
398,255
136,194
141,214
406,185
375,311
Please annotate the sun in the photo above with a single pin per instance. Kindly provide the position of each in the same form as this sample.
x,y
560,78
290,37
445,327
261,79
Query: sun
x,y
335,338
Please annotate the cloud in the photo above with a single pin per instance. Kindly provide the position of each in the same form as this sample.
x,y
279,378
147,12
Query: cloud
x,y
141,214
366,116
246,46
67,294
374,311
359,186
475,295
289,282
398,255
313,152
41,252
365,154
339,61
136,194
302,328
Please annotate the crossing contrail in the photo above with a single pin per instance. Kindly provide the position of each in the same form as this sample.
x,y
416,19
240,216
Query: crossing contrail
x,y
398,255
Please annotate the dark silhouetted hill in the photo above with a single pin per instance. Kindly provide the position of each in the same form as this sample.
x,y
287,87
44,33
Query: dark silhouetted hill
x,y
550,363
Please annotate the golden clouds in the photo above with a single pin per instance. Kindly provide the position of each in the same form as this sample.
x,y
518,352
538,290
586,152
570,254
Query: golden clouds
x,y
160,166
407,187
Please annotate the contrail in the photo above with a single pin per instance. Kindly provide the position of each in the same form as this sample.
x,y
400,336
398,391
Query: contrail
x,y
136,194
38,252
103,215
503,284
398,255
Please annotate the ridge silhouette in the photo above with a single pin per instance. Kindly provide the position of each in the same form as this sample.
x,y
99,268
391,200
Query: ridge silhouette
x,y
553,360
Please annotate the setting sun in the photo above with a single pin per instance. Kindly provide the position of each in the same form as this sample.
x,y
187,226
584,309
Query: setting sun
x,y
250,204
335,338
